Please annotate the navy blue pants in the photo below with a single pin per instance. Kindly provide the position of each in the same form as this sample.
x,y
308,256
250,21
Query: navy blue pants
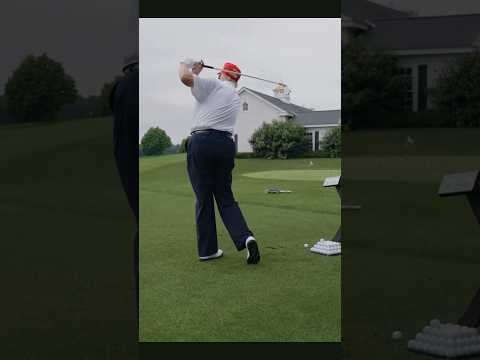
x,y
210,161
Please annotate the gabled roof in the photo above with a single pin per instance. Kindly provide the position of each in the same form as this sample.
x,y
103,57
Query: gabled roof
x,y
290,108
426,32
320,118
362,10
300,114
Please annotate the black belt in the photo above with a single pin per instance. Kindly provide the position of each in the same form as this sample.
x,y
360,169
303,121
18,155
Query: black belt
x,y
212,131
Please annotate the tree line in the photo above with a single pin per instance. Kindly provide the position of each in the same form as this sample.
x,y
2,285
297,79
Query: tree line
x,y
39,89
273,140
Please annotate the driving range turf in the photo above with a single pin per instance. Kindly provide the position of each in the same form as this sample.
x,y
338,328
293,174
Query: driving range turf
x,y
409,256
67,243
292,295
394,277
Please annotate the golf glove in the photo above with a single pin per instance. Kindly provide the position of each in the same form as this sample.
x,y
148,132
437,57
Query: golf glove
x,y
189,62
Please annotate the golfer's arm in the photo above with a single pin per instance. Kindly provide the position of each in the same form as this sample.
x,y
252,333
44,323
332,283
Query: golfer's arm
x,y
186,77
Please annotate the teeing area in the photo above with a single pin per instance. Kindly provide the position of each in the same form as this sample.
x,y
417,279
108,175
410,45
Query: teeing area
x,y
292,295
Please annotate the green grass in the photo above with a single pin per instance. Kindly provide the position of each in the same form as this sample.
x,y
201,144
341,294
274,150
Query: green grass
x,y
292,295
67,236
393,277
408,256
431,141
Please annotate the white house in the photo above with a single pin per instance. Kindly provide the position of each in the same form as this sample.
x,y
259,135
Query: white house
x,y
425,45
258,108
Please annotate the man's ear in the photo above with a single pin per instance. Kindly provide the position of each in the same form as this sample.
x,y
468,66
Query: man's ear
x,y
187,79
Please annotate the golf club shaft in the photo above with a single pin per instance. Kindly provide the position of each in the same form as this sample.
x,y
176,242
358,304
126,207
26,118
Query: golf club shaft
x,y
249,76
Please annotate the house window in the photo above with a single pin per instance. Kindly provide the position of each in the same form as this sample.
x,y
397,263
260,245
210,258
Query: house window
x,y
317,141
245,106
422,87
309,137
406,73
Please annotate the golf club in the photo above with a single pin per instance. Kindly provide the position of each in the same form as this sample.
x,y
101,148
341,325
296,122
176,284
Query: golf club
x,y
241,74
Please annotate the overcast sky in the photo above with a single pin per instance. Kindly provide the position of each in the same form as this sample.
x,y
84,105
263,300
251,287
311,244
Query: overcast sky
x,y
90,38
303,53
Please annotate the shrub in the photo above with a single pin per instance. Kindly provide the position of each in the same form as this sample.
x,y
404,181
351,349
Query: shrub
x,y
373,87
279,140
457,92
155,141
331,143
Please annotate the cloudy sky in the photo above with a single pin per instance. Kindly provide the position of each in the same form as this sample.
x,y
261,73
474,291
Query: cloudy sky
x,y
303,53
90,38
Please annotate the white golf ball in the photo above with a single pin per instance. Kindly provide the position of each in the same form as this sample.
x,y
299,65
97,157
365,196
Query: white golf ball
x,y
305,245
397,335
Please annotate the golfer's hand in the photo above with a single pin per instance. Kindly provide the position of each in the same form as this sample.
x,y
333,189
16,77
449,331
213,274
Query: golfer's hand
x,y
197,67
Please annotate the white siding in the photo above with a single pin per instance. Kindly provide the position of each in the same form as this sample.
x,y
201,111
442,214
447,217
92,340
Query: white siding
x,y
247,121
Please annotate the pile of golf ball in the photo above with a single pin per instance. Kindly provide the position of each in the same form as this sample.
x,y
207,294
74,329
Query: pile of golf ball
x,y
447,340
326,247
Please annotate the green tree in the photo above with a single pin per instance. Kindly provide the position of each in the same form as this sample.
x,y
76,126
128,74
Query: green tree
x,y
183,146
457,92
38,88
331,144
155,141
372,86
279,139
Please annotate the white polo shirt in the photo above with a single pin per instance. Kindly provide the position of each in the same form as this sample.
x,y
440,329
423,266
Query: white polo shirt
x,y
217,104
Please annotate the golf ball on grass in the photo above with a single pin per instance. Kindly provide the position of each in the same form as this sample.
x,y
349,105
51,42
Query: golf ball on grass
x,y
305,245
397,335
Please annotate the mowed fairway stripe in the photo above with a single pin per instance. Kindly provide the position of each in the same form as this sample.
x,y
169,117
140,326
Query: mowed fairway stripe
x,y
335,211
295,175
153,163
282,299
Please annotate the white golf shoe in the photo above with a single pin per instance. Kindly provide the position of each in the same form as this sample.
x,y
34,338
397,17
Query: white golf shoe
x,y
217,255
253,254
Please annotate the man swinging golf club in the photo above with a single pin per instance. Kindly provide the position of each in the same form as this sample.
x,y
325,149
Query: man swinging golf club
x,y
210,159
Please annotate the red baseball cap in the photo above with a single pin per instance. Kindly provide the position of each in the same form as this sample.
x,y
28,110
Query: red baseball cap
x,y
231,67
